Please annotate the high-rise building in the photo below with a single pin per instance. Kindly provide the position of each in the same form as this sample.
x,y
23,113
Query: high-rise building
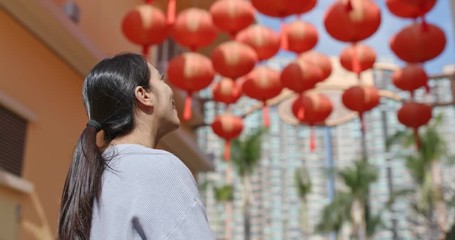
x,y
276,212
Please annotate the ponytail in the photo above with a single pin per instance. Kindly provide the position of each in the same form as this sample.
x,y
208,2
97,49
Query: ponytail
x,y
82,187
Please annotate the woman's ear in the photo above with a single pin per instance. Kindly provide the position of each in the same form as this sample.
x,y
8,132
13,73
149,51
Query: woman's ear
x,y
143,97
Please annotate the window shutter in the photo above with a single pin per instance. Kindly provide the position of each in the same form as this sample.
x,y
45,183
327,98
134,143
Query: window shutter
x,y
12,141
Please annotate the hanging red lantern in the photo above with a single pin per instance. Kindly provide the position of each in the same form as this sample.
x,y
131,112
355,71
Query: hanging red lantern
x,y
263,40
361,99
357,58
262,84
145,25
300,76
194,29
410,78
233,59
191,72
352,20
417,43
227,126
227,91
410,8
283,8
414,115
300,36
232,16
319,60
312,109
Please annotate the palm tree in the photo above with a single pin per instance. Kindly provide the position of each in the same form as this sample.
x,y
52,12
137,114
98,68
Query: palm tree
x,y
246,154
351,206
303,183
424,165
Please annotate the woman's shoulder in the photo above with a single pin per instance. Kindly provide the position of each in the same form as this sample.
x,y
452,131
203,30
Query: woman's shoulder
x,y
141,159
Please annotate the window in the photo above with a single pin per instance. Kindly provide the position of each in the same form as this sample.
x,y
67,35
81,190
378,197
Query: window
x,y
12,141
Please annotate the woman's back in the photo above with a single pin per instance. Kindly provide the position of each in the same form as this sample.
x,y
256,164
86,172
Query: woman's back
x,y
148,194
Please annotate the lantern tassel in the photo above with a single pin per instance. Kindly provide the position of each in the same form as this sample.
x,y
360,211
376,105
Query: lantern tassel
x,y
417,138
145,51
313,139
301,113
187,109
356,62
265,115
171,7
227,150
427,88
283,35
349,6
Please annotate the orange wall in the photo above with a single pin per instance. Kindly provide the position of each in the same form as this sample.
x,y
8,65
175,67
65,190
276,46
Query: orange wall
x,y
34,76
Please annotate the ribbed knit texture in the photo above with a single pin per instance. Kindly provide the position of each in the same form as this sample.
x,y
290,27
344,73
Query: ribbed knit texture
x,y
148,194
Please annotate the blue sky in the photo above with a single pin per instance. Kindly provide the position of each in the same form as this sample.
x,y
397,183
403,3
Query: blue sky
x,y
440,15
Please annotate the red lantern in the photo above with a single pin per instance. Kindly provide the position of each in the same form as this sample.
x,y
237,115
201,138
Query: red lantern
x,y
227,91
352,23
227,126
283,8
191,72
410,78
263,40
410,8
414,115
233,59
361,99
194,28
300,76
312,109
319,60
417,43
300,36
357,58
262,84
145,25
232,16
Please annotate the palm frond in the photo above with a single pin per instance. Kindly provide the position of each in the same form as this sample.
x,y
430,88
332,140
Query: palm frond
x,y
359,177
303,182
246,152
335,214
224,193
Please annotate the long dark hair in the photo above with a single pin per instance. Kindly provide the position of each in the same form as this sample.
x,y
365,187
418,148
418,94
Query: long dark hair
x,y
108,94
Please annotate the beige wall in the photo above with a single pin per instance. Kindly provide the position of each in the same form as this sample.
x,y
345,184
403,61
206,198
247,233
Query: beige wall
x,y
34,76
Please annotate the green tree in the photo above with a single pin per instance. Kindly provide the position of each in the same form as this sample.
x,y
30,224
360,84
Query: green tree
x,y
424,165
350,206
303,183
246,154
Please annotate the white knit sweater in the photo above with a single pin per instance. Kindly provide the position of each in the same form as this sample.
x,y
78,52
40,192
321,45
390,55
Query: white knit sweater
x,y
148,194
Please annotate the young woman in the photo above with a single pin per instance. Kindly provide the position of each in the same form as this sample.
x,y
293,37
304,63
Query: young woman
x,y
127,189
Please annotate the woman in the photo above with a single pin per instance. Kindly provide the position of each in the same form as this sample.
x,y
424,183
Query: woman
x,y
128,189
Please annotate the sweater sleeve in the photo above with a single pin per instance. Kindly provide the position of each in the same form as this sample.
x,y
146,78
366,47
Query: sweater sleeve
x,y
168,206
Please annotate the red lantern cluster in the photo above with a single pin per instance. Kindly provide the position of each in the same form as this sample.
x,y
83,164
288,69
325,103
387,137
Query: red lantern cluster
x,y
410,78
263,40
228,127
312,109
414,115
263,83
233,59
232,16
361,99
357,58
227,91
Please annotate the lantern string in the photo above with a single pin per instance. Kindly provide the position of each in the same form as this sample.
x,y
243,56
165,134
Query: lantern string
x,y
424,24
187,108
227,150
417,138
171,9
